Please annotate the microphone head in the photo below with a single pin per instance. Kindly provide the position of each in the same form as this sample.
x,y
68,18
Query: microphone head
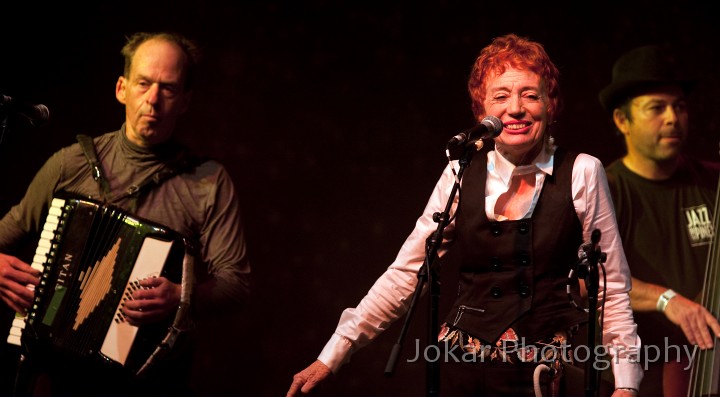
x,y
35,114
42,115
493,124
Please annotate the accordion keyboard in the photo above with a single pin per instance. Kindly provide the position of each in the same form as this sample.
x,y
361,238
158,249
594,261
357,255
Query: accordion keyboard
x,y
47,241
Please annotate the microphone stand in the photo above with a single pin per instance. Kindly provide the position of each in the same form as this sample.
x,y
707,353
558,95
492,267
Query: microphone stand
x,y
428,273
589,271
3,124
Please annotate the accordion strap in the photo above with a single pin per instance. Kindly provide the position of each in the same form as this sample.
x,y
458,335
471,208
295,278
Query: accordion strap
x,y
135,191
88,148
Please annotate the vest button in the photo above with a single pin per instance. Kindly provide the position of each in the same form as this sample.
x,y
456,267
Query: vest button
x,y
523,259
495,229
496,292
495,263
524,290
524,227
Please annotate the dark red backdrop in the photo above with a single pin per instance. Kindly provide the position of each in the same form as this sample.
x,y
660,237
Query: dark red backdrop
x,y
333,120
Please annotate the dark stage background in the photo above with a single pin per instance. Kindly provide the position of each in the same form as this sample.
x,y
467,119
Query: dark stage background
x,y
333,119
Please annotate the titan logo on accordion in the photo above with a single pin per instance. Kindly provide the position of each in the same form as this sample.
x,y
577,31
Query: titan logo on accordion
x,y
92,258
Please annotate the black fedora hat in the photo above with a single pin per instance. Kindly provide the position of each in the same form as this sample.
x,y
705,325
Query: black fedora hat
x,y
640,69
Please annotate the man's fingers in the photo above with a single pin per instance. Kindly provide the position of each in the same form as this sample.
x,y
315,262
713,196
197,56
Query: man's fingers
x,y
19,265
713,323
13,305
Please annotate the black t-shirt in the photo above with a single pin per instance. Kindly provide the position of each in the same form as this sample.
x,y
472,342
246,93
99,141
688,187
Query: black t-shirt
x,y
666,228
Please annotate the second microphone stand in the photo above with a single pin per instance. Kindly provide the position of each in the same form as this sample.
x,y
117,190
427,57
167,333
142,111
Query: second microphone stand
x,y
589,270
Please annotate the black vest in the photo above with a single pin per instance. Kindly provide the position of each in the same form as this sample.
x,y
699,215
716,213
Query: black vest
x,y
515,273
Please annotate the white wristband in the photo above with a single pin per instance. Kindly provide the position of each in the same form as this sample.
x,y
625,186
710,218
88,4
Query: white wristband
x,y
664,299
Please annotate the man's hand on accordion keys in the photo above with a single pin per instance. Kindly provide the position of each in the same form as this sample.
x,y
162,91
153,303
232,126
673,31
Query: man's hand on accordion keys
x,y
155,300
17,282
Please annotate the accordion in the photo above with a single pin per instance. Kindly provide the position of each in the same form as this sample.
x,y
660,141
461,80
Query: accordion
x,y
92,258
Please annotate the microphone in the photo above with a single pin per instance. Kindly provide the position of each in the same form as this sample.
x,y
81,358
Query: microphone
x,y
489,127
37,114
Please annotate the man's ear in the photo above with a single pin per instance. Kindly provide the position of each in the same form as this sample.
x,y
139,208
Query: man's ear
x,y
120,88
621,121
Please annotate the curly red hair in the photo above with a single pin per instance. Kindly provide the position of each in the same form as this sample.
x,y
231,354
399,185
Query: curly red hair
x,y
519,53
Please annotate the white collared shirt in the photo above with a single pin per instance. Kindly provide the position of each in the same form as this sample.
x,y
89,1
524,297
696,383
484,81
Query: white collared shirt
x,y
388,298
500,173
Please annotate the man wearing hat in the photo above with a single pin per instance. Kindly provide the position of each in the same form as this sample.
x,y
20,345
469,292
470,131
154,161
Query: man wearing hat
x,y
663,201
